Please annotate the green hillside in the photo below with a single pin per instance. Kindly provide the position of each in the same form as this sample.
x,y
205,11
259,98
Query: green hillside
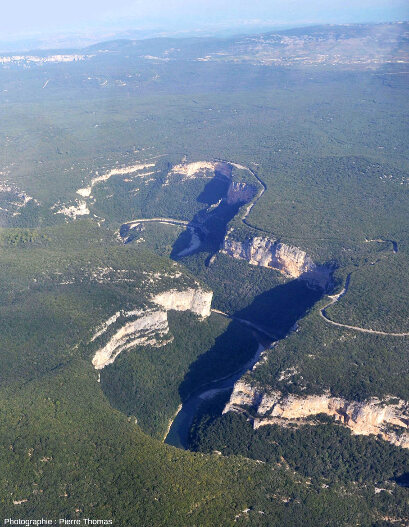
x,y
136,131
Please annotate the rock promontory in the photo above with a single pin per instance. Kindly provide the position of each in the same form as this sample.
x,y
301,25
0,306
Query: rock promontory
x,y
387,418
291,261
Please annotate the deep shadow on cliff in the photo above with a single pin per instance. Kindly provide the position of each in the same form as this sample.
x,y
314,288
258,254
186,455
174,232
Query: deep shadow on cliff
x,y
231,350
210,223
402,480
276,311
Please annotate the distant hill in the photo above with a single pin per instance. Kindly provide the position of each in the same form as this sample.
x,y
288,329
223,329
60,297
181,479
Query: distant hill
x,y
350,45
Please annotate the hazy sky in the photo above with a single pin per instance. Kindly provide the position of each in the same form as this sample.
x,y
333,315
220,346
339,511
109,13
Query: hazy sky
x,y
50,16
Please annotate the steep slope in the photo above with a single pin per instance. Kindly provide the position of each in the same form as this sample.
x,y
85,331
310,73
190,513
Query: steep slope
x,y
383,418
332,164
64,449
290,261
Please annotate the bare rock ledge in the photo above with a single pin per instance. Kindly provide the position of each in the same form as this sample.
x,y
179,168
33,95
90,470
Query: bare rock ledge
x,y
384,418
148,326
291,261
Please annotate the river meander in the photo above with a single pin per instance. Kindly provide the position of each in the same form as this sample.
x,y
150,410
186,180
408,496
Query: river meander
x,y
179,431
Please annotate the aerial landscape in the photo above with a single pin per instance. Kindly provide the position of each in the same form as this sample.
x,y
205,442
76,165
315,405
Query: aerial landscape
x,y
204,275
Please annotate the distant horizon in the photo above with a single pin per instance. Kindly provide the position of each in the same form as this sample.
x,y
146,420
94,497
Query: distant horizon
x,y
72,39
79,22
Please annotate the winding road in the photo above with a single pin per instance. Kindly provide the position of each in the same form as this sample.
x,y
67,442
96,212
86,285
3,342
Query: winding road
x,y
332,299
394,243
173,221
335,298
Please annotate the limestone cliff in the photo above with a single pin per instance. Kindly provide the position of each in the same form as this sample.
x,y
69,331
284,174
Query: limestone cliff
x,y
291,261
243,395
373,416
196,300
147,326
200,169
239,192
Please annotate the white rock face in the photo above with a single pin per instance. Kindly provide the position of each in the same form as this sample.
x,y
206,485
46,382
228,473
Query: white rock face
x,y
80,209
149,326
265,252
196,300
201,169
103,328
243,395
86,191
362,418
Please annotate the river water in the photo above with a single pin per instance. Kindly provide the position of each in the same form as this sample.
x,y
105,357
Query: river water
x,y
179,431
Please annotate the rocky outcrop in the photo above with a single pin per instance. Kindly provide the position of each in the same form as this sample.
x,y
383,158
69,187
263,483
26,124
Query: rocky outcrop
x,y
13,199
79,209
388,419
148,327
291,261
239,192
86,191
243,395
197,301
201,169
105,325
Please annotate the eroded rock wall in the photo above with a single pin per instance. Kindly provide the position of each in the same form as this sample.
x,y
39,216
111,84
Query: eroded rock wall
x,y
373,416
201,169
197,301
239,192
148,326
291,261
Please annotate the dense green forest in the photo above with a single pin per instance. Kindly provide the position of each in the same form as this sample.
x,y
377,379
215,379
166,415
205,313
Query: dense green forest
x,y
67,451
338,455
329,146
348,363
140,383
384,306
